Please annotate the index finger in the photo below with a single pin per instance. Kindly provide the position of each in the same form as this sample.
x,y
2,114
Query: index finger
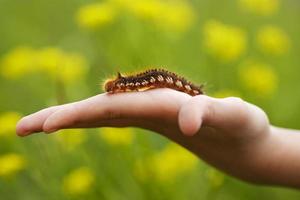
x,y
103,108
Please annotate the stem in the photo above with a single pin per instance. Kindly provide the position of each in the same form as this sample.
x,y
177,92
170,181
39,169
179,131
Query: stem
x,y
61,96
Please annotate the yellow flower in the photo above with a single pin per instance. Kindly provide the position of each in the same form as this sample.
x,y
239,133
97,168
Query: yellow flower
x,y
168,15
54,62
73,68
71,138
48,58
171,162
96,15
78,181
260,7
224,42
11,163
18,62
226,93
117,136
216,178
8,121
272,40
177,16
258,78
147,10
66,67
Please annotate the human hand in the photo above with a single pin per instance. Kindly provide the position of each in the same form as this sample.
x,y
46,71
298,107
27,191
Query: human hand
x,y
228,133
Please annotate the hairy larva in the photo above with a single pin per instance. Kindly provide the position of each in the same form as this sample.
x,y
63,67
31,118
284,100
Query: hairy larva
x,y
150,79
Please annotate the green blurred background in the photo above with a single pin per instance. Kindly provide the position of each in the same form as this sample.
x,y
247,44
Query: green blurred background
x,y
58,51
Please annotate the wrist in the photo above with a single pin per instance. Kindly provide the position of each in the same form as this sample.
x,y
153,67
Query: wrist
x,y
276,159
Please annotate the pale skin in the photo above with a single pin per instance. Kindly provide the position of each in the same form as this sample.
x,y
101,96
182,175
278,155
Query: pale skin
x,y
229,134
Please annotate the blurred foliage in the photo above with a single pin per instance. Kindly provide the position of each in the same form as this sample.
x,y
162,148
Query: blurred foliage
x,y
59,51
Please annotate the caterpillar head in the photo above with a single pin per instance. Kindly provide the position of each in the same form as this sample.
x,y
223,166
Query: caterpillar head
x,y
110,84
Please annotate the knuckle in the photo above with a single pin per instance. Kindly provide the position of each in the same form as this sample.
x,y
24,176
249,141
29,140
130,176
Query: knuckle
x,y
236,101
200,99
205,103
241,109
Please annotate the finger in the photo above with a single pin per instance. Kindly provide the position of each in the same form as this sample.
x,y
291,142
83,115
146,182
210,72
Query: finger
x,y
202,110
118,123
160,103
191,114
34,122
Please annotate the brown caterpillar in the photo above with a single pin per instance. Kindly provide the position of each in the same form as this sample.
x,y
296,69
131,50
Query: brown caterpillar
x,y
150,79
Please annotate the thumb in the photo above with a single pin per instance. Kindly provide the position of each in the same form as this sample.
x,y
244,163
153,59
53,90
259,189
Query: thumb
x,y
203,110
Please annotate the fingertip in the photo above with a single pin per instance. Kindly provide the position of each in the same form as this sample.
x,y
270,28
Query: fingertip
x,y
189,119
23,127
33,123
187,128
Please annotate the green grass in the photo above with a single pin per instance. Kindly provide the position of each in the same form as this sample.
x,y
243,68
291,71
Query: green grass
x,y
131,44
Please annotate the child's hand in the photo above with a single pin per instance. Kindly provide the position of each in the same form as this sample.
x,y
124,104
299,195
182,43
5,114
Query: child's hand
x,y
229,133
